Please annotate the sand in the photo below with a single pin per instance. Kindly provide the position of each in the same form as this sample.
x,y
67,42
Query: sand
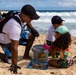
x,y
26,71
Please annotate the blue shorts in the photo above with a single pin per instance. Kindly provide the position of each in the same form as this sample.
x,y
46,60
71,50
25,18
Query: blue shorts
x,y
7,48
24,35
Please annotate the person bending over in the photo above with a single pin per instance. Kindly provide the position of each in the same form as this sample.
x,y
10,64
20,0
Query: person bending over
x,y
12,35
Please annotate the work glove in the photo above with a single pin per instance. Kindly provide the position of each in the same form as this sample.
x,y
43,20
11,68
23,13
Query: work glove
x,y
35,32
13,68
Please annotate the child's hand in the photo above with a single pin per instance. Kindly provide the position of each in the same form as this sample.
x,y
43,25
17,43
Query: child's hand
x,y
61,54
46,47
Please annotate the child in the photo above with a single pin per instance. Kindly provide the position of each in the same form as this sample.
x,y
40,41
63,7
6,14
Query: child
x,y
61,44
56,21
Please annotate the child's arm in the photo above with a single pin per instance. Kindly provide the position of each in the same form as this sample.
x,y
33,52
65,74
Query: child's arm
x,y
53,51
61,54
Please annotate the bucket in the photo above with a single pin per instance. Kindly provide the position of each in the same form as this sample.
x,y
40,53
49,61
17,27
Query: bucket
x,y
40,54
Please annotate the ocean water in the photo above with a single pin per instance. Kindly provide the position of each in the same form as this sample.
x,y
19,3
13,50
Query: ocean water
x,y
44,22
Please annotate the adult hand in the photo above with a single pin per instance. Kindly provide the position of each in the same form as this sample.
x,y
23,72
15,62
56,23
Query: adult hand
x,y
13,68
36,33
33,30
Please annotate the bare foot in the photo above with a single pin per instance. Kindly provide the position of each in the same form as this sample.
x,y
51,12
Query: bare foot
x,y
27,57
3,57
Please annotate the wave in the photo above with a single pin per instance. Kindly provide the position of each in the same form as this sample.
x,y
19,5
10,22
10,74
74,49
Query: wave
x,y
47,20
73,32
43,23
69,17
56,13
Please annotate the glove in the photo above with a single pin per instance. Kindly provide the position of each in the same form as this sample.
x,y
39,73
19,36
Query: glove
x,y
35,32
13,68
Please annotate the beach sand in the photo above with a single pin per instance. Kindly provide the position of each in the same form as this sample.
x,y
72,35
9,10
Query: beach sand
x,y
26,71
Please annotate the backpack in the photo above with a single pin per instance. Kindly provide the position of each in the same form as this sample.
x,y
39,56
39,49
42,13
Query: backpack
x,y
8,16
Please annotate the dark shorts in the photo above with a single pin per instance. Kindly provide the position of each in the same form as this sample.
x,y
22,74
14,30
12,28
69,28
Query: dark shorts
x,y
48,42
62,63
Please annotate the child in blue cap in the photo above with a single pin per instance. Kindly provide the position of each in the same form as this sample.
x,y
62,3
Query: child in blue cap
x,y
61,44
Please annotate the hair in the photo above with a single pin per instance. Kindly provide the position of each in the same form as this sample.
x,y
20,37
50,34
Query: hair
x,y
63,41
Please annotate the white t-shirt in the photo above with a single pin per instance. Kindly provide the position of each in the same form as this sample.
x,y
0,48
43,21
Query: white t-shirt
x,y
12,30
51,34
